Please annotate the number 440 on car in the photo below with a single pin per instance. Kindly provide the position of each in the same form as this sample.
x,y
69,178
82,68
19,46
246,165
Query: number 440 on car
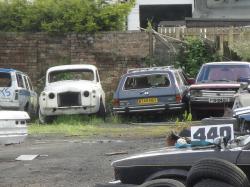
x,y
210,132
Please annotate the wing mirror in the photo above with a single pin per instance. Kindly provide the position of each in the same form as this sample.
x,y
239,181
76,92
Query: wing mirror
x,y
243,85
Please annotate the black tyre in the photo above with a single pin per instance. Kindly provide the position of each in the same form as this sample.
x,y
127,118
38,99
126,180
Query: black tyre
x,y
27,109
31,111
163,183
212,183
45,119
102,110
217,169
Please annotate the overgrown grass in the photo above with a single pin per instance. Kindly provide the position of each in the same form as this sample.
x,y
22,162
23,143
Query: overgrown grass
x,y
85,126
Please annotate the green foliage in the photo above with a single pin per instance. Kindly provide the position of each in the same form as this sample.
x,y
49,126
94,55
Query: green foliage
x,y
187,116
152,61
78,120
242,49
195,53
62,16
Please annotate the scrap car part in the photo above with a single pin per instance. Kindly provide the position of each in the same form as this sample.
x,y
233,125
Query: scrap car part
x,y
13,127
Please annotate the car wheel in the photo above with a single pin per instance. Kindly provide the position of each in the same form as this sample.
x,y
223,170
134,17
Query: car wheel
x,y
216,169
28,109
102,110
212,183
162,183
45,119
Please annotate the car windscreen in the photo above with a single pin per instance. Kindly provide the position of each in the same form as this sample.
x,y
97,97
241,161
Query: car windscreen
x,y
76,74
146,81
5,79
213,73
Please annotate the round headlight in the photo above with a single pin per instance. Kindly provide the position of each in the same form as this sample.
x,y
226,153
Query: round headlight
x,y
86,93
51,95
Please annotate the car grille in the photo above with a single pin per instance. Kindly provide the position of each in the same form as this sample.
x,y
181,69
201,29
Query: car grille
x,y
207,94
67,99
210,93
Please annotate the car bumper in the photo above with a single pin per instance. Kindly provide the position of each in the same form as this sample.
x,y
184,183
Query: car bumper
x,y
201,105
69,110
147,108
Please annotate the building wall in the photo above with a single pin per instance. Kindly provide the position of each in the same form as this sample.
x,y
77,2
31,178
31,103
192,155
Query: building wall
x,y
223,9
111,52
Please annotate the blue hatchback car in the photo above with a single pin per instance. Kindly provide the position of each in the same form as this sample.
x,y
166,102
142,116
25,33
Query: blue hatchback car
x,y
151,89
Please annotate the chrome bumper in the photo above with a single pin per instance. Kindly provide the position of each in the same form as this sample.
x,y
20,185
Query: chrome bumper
x,y
146,108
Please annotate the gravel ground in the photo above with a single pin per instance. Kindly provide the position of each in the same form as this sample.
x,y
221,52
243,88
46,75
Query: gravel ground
x,y
66,161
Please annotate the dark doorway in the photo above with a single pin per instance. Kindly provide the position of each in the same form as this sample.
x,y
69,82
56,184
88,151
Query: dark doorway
x,y
157,13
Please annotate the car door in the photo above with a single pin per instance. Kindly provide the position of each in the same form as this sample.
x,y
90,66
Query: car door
x,y
33,95
182,83
22,91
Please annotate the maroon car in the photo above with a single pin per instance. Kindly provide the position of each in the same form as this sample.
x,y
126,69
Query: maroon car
x,y
215,87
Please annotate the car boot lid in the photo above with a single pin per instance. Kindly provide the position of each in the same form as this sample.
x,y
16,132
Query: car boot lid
x,y
13,115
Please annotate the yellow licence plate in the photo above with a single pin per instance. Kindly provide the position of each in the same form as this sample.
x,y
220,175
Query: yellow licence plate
x,y
147,101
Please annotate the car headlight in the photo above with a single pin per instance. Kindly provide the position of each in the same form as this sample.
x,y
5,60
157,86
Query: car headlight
x,y
86,93
195,93
51,95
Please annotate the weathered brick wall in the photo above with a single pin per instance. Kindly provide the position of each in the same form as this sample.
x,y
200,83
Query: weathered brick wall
x,y
111,52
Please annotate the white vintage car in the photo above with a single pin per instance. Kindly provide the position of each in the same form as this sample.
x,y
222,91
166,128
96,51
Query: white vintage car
x,y
71,89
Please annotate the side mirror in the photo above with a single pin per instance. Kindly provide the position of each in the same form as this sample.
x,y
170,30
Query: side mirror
x,y
243,85
190,81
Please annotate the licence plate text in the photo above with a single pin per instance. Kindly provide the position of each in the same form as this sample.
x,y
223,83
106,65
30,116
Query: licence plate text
x,y
147,101
218,100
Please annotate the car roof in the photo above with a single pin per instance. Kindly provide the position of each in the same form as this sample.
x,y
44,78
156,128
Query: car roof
x,y
6,70
140,71
72,67
228,63
9,70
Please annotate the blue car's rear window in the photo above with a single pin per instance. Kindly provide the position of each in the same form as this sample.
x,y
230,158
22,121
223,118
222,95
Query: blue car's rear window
x,y
146,81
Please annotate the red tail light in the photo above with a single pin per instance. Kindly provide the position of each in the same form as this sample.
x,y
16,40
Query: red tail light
x,y
178,98
116,102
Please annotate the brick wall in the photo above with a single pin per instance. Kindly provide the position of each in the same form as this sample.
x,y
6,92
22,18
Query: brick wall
x,y
111,52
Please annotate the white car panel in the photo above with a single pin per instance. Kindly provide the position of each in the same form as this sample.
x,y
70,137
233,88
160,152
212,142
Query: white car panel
x,y
13,126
